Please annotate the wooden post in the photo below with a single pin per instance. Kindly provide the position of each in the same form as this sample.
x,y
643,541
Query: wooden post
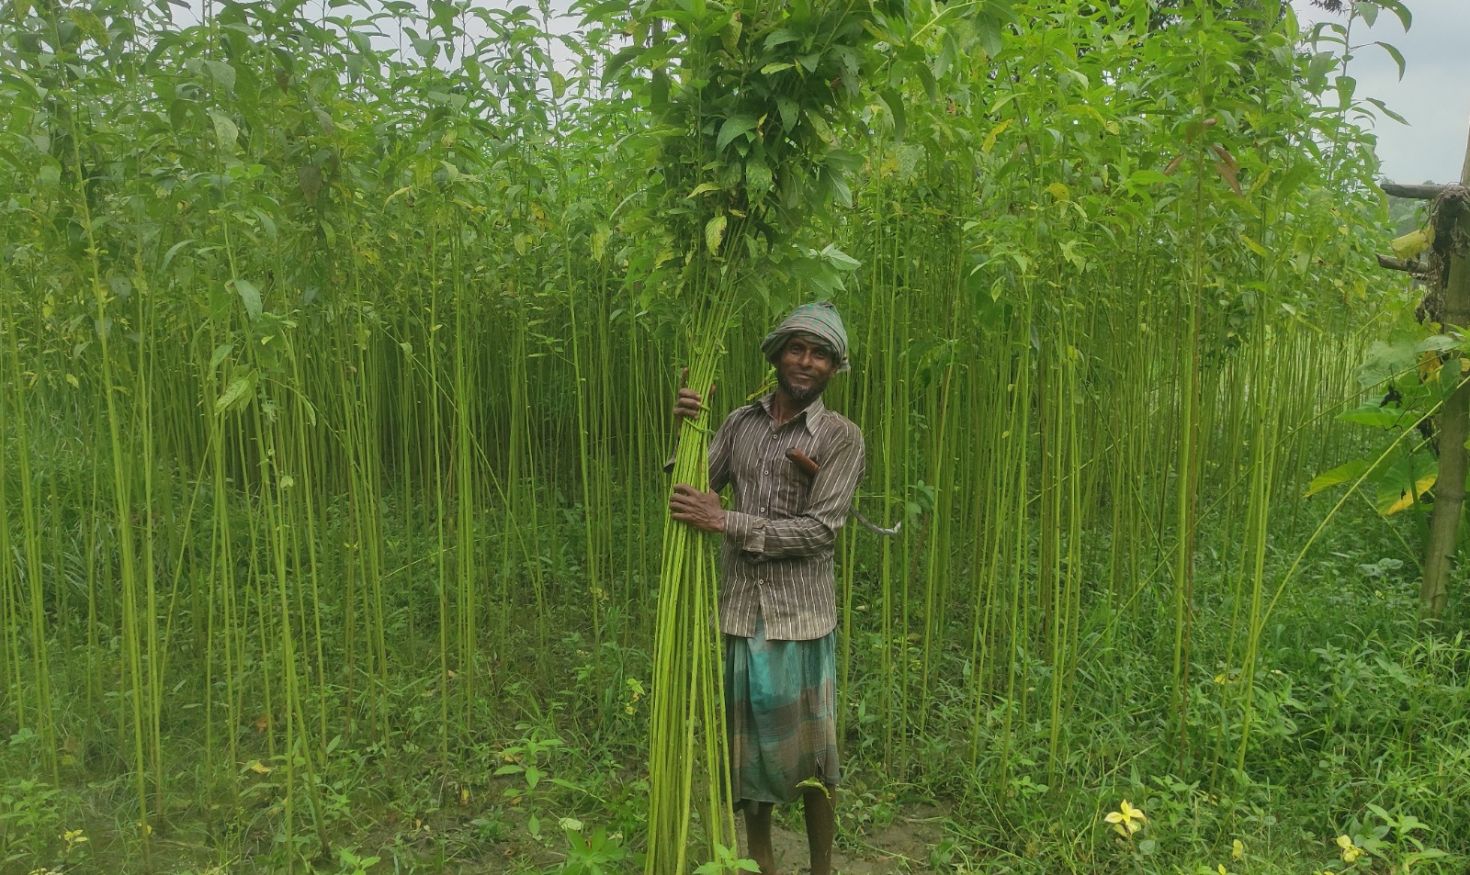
x,y
1454,418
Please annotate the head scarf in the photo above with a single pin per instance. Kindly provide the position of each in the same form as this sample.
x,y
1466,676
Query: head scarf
x,y
820,320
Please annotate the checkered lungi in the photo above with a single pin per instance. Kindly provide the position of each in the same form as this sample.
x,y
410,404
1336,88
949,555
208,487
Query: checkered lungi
x,y
780,705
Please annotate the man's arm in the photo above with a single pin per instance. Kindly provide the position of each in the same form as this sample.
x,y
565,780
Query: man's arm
x,y
702,510
719,458
815,530
690,405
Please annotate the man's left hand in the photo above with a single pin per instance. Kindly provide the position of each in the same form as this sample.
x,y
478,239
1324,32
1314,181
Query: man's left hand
x,y
699,509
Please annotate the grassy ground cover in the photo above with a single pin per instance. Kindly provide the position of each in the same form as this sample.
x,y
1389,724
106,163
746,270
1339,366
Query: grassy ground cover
x,y
1359,725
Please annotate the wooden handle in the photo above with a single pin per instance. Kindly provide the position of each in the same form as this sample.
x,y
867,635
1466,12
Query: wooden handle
x,y
803,461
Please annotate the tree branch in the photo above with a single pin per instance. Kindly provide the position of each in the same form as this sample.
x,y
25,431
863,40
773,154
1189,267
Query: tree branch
x,y
1425,192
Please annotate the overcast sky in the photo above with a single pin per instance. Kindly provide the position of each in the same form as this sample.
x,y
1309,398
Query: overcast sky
x,y
1435,92
1434,95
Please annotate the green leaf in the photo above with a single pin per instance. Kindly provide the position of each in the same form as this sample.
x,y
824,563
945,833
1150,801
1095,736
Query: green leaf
x,y
1318,67
780,37
1070,252
222,74
989,31
1393,52
1400,485
49,176
1347,472
837,187
249,296
823,130
1383,108
237,394
895,108
1437,343
758,178
1413,243
776,67
658,91
839,259
733,127
714,233
1399,8
219,354
225,131
790,113
1426,854
730,35
1385,361
702,188
617,62
1375,416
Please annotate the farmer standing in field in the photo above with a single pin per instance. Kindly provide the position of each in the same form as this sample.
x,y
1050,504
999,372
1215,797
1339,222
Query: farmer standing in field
x,y
778,601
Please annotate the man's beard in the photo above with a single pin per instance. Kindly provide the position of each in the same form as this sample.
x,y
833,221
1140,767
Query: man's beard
x,y
805,396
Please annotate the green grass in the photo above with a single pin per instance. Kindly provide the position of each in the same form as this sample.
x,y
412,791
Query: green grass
x,y
1354,708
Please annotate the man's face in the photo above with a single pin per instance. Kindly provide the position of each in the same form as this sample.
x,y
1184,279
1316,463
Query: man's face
x,y
804,366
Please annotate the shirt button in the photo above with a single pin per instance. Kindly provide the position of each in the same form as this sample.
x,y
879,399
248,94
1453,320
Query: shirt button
x,y
764,508
760,582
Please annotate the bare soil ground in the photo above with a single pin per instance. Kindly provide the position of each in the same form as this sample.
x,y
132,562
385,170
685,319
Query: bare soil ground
x,y
902,846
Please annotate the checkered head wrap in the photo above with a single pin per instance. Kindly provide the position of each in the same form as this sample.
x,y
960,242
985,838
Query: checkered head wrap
x,y
820,320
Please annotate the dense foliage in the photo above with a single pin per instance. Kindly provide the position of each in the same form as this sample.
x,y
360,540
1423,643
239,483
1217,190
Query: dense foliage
x,y
336,352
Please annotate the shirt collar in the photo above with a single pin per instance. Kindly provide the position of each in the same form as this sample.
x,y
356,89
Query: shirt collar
x,y
810,416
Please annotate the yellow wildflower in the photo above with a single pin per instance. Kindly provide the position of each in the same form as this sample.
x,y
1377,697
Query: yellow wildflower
x,y
73,837
1350,851
1237,850
1127,820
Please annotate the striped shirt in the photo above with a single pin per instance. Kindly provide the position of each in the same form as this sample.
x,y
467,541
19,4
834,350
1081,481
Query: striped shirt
x,y
777,557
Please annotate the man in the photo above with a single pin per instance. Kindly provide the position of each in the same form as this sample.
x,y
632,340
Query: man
x,y
778,603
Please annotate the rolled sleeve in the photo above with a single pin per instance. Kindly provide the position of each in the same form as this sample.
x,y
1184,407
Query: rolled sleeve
x,y
747,532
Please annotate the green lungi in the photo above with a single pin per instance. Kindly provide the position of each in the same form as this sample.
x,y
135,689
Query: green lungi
x,y
781,715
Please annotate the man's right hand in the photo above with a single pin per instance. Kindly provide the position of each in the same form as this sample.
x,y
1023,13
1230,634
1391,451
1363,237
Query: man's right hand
x,y
689,404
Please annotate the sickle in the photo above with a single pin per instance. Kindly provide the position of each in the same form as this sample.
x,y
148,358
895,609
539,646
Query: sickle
x,y
809,466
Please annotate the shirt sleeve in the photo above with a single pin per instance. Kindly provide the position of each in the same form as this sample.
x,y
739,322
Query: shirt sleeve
x,y
815,529
719,457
